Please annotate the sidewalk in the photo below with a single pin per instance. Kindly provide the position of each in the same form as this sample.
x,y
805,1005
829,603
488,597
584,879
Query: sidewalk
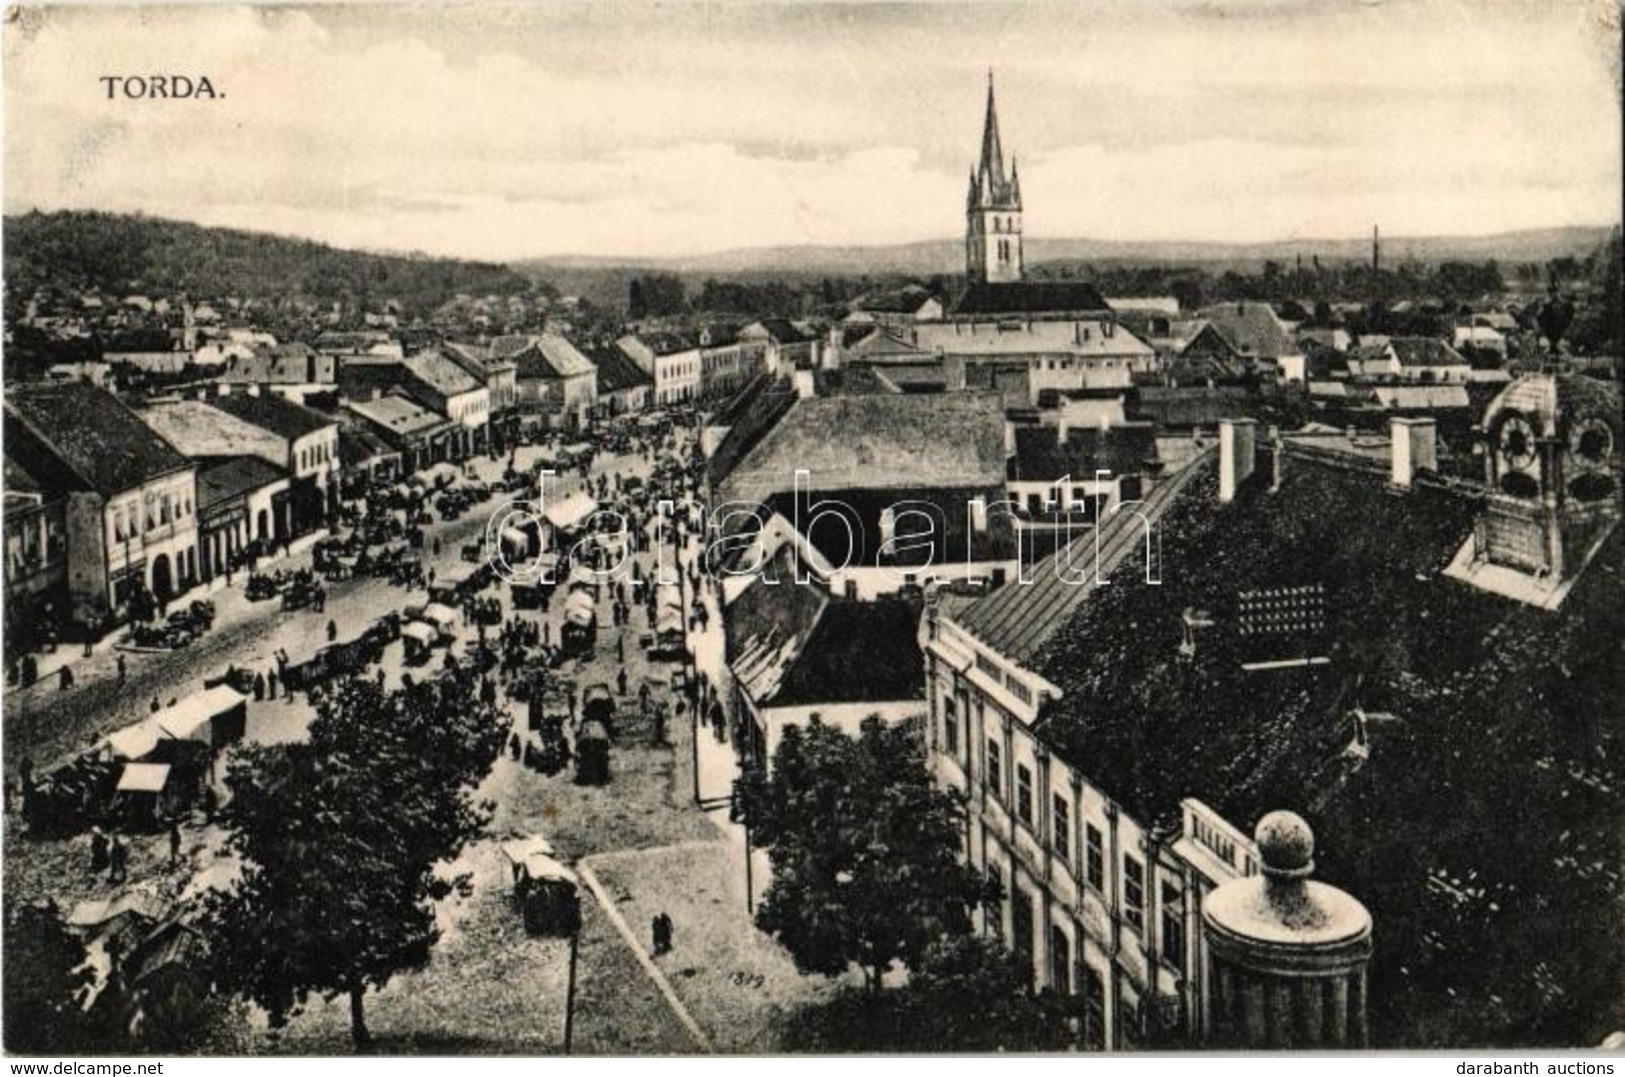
x,y
74,657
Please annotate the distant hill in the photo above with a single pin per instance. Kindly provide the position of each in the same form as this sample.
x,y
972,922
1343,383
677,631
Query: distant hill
x,y
946,255
118,254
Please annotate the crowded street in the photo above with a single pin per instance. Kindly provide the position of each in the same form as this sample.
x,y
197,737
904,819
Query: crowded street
x,y
642,841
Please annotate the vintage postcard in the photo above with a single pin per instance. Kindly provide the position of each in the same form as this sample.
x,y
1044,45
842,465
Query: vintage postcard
x,y
775,528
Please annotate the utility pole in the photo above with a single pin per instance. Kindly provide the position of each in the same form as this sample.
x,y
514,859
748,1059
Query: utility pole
x,y
750,891
570,985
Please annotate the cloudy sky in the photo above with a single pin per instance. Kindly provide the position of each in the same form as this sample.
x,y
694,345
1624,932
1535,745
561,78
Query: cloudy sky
x,y
665,129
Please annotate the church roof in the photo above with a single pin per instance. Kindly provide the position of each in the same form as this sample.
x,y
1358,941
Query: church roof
x,y
1030,297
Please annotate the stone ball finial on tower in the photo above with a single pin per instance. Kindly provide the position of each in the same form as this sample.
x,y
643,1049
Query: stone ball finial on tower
x,y
1286,845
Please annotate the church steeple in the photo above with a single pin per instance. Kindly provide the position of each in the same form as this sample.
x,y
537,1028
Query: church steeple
x,y
993,208
992,153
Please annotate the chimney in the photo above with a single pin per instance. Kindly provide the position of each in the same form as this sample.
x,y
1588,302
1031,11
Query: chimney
x,y
806,389
1414,449
1235,456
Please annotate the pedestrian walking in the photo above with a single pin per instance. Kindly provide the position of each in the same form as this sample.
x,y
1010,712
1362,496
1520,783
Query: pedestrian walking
x,y
174,843
98,850
620,682
64,679
657,933
259,691
155,708
121,671
118,858
332,631
270,684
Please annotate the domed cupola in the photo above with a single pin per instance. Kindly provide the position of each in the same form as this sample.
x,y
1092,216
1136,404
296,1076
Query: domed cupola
x,y
1552,456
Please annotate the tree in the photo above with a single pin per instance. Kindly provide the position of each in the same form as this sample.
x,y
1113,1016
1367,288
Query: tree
x,y
968,995
44,969
865,850
341,836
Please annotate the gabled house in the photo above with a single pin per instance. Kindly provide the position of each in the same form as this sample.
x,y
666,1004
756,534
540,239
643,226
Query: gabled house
x,y
556,384
130,497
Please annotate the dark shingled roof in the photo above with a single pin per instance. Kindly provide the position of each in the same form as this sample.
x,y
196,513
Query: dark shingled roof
x,y
756,412
1030,297
357,445
1425,352
268,411
791,644
1246,742
616,371
227,477
1041,456
77,428
784,331
905,300
858,652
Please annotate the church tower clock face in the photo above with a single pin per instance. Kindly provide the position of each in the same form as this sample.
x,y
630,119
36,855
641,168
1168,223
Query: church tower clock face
x,y
1515,444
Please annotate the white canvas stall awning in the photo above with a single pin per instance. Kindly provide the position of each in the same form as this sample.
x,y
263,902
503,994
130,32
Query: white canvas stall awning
x,y
189,719
570,511
135,741
440,615
419,631
143,778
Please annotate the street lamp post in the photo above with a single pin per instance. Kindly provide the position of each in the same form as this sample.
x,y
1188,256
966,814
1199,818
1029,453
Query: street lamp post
x,y
750,891
570,988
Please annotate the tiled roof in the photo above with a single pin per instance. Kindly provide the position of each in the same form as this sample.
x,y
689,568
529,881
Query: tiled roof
x,y
553,357
1029,297
1403,397
507,347
274,413
1086,339
398,415
1192,406
879,441
196,428
442,374
88,431
1253,329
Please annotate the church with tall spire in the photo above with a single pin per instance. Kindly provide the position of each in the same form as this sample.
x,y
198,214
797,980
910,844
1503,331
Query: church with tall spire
x,y
993,209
